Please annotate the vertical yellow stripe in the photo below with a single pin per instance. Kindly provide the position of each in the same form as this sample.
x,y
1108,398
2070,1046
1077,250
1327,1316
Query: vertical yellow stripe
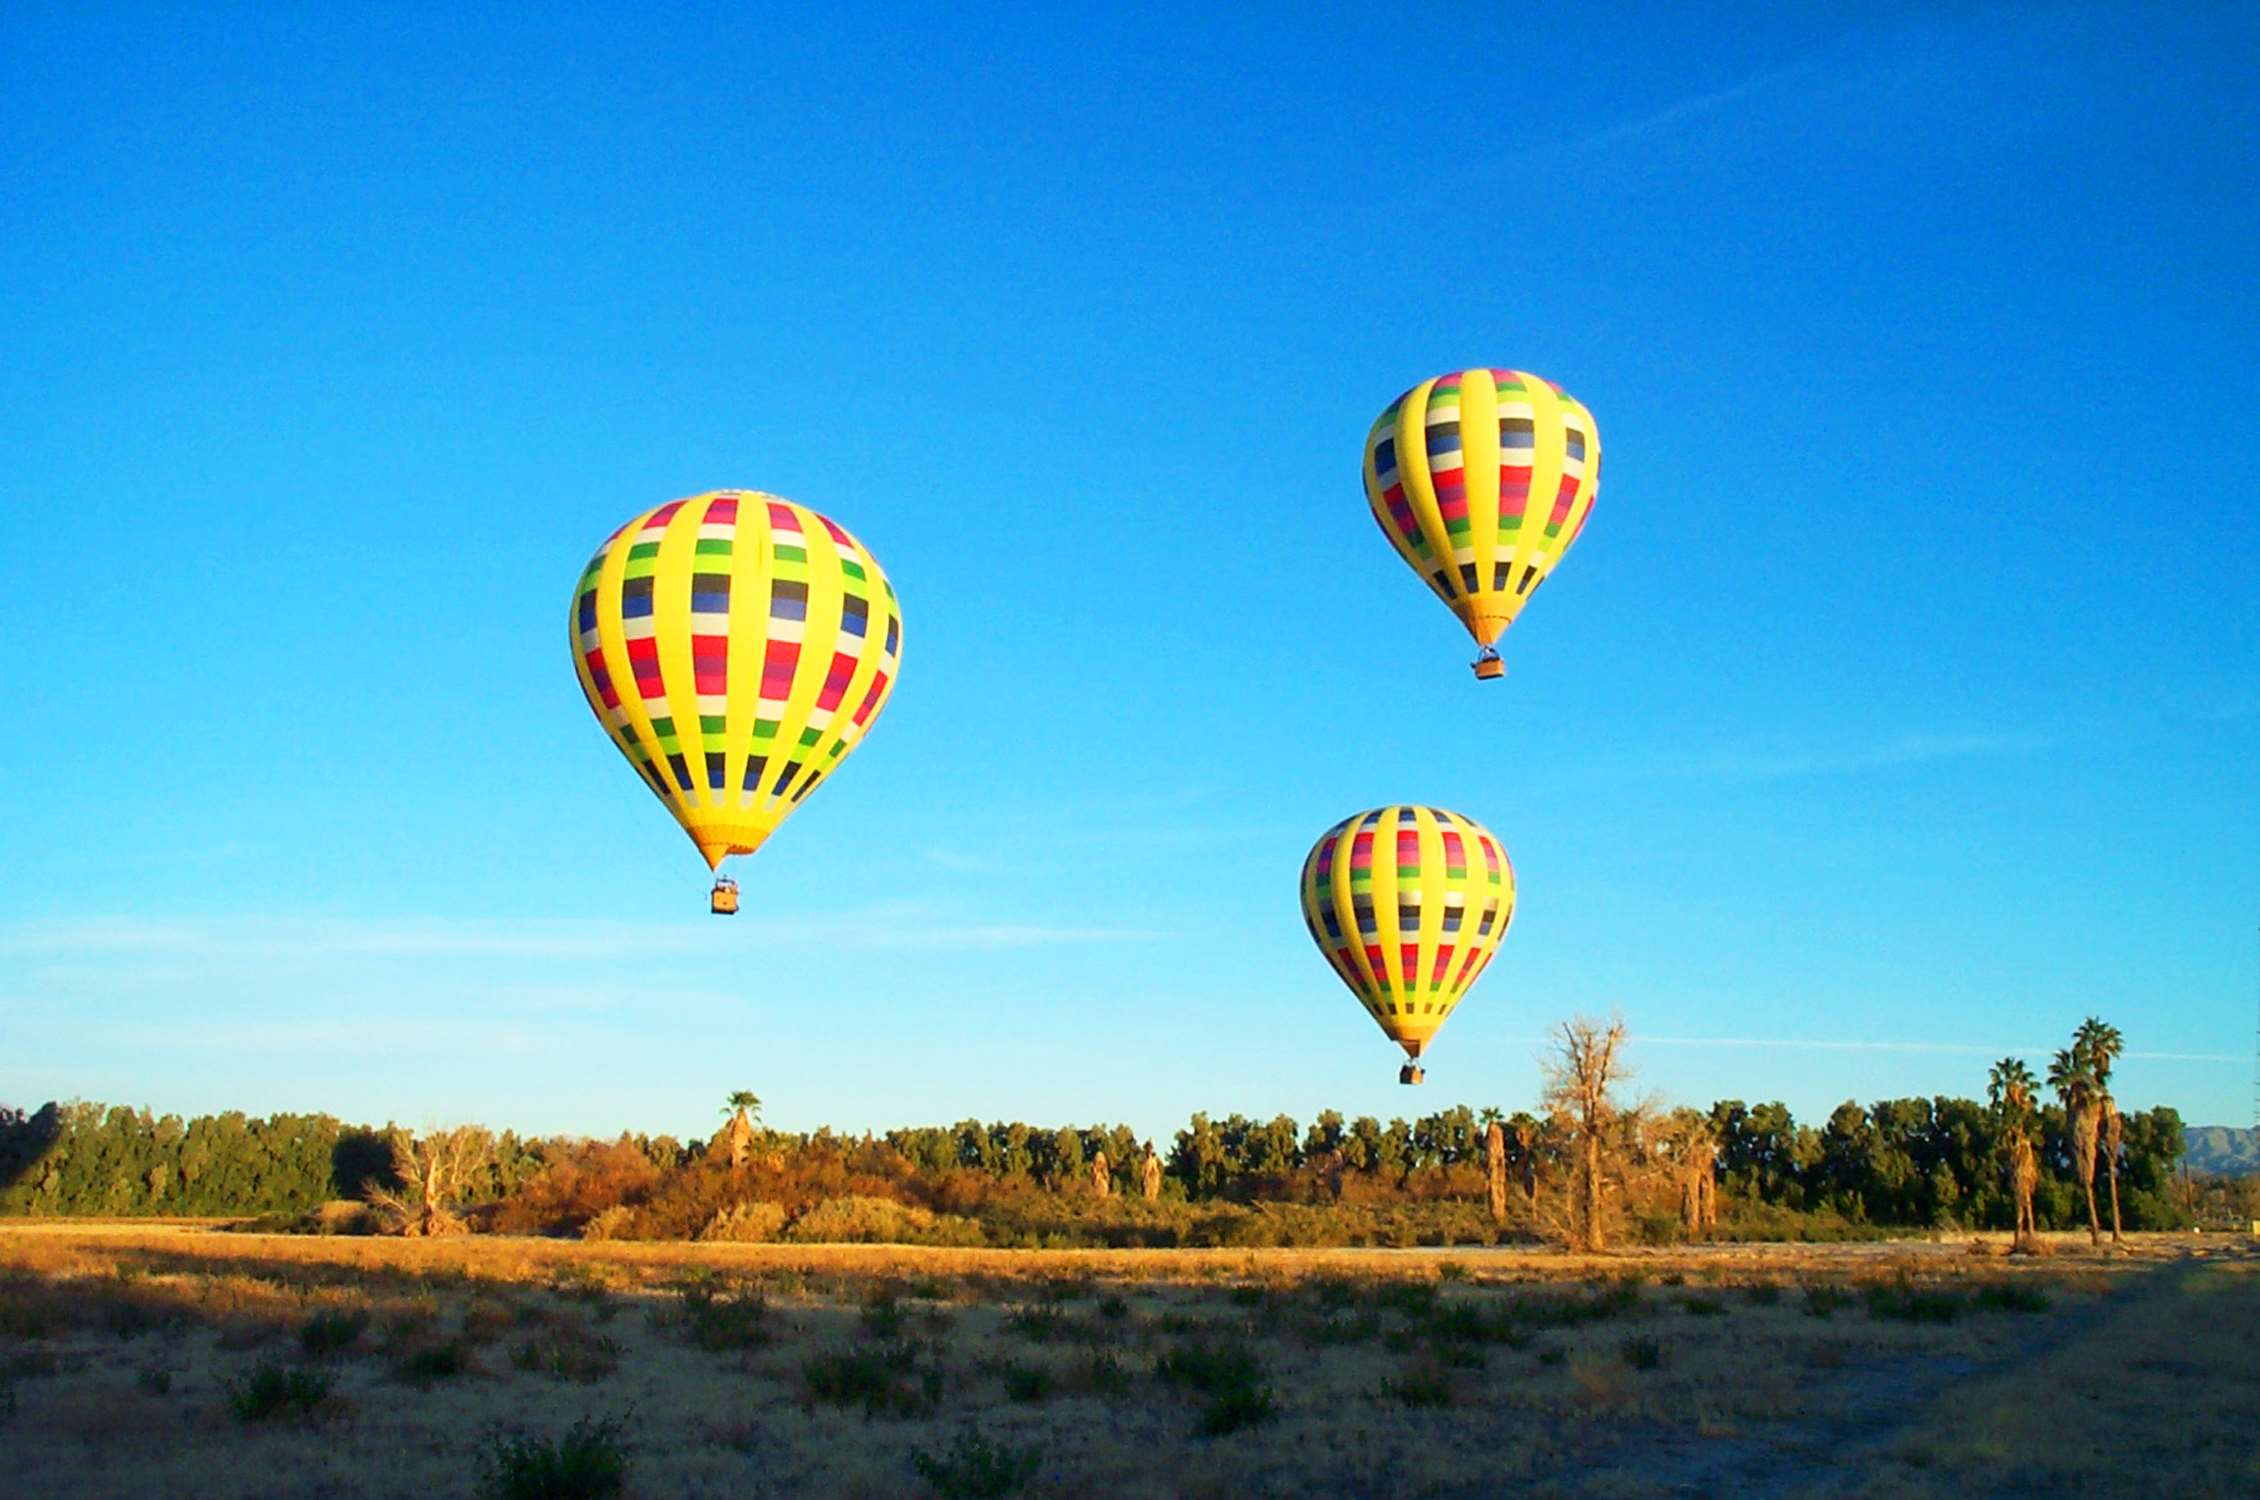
x,y
752,567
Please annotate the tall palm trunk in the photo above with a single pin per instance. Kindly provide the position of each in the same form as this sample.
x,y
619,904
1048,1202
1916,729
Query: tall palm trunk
x,y
2111,1139
2083,1124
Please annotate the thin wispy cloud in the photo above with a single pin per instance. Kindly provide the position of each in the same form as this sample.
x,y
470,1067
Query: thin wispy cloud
x,y
1698,107
278,939
1962,1049
1905,750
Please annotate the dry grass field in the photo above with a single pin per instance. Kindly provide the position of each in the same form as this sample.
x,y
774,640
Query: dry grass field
x,y
176,1360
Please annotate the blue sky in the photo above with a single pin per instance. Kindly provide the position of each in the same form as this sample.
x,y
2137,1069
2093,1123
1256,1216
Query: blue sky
x,y
1899,707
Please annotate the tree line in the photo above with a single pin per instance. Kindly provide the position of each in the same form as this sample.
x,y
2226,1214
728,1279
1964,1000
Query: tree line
x,y
1896,1163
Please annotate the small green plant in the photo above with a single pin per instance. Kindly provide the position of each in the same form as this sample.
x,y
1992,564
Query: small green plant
x,y
2003,1296
883,1317
568,1351
155,1380
1414,1299
1027,1382
1904,1302
270,1391
977,1468
1114,1307
1240,1407
884,1379
433,1363
1036,1324
1229,1376
1424,1385
719,1319
331,1331
1451,1270
1763,1293
1674,1278
1642,1352
1702,1307
588,1461
1823,1301
1104,1374
1356,1328
1553,1354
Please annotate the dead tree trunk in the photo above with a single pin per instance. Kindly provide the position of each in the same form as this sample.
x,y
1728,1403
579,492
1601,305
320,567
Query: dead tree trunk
x,y
1102,1176
1149,1174
1580,1079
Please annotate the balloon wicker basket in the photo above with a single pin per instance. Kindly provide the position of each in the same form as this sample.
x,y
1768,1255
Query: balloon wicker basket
x,y
1412,1073
1488,667
724,901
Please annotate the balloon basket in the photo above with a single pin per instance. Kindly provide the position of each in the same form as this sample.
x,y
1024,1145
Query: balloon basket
x,y
1488,667
724,900
1412,1073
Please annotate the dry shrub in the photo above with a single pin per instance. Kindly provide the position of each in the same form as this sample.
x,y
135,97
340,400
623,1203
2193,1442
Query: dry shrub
x,y
745,1224
864,1220
589,1180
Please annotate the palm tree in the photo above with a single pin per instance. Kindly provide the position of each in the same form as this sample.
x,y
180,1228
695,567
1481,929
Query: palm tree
x,y
2072,1075
2104,1047
2010,1087
744,1102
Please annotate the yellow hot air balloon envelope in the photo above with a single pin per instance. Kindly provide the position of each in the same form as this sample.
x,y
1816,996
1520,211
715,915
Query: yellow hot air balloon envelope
x,y
1408,904
735,646
1481,480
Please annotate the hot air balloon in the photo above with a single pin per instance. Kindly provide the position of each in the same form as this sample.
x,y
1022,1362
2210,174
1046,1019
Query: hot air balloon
x,y
736,647
1408,904
1481,480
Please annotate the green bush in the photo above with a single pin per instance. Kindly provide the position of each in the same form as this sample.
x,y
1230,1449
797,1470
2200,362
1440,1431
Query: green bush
x,y
270,1391
1642,1352
1028,1382
433,1363
588,1461
1241,1407
1229,1375
2005,1296
977,1468
717,1316
332,1331
1904,1302
885,1380
567,1351
1425,1385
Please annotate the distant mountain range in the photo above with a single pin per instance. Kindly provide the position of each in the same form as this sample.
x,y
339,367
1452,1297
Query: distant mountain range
x,y
2222,1149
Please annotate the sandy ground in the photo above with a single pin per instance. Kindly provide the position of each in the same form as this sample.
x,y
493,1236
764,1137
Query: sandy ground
x,y
129,1352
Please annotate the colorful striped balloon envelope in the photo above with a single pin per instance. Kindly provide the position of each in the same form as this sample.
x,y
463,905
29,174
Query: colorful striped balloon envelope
x,y
735,647
1482,480
1408,904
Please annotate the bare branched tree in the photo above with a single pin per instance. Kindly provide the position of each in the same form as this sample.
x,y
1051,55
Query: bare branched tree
x,y
1581,1079
433,1171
